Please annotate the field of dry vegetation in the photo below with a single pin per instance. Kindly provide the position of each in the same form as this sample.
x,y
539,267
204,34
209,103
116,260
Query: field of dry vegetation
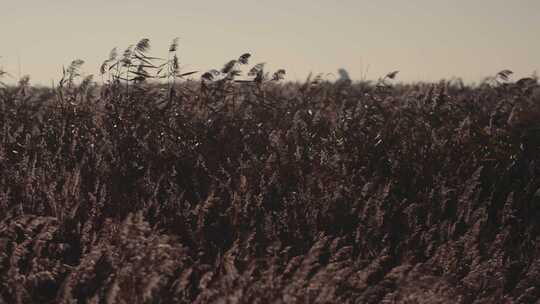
x,y
239,187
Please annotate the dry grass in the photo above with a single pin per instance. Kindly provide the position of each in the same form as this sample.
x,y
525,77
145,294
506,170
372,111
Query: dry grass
x,y
248,190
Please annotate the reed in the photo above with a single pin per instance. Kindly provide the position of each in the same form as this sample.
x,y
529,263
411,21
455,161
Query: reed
x,y
168,186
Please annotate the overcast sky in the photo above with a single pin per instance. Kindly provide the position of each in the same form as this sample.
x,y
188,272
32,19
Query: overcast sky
x,y
423,39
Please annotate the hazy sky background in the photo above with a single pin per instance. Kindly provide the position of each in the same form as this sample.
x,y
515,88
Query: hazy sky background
x,y
424,39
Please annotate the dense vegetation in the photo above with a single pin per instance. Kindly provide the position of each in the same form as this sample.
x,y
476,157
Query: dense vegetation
x,y
256,191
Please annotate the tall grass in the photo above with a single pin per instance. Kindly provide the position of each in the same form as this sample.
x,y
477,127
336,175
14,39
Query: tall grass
x,y
251,190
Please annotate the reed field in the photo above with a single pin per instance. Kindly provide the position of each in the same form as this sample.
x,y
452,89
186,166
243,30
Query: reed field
x,y
150,184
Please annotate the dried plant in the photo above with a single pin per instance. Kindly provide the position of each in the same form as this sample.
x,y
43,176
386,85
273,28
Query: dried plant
x,y
238,188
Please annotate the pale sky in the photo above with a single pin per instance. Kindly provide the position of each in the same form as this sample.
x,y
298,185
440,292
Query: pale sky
x,y
425,40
